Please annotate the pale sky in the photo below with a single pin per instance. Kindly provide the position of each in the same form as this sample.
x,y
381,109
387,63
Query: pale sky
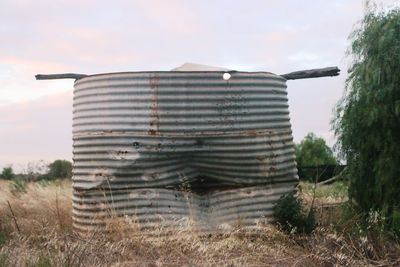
x,y
105,36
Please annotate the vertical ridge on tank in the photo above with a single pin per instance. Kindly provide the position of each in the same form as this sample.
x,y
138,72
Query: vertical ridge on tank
x,y
170,147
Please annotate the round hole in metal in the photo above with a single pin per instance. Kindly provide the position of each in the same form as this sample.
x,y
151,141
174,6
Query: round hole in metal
x,y
226,76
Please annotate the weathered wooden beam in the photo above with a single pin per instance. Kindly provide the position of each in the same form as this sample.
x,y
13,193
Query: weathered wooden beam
x,y
334,178
313,73
302,74
59,76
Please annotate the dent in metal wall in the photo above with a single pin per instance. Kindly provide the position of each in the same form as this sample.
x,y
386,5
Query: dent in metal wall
x,y
169,147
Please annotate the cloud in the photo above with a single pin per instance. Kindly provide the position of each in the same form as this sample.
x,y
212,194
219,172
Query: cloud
x,y
39,129
18,81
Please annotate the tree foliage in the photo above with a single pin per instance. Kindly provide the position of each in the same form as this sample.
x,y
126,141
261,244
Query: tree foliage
x,y
7,173
367,121
60,169
313,151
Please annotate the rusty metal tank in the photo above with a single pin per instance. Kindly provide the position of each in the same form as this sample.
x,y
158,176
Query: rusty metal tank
x,y
168,148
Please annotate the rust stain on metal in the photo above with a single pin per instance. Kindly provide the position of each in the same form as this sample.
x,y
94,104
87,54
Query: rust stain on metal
x,y
252,133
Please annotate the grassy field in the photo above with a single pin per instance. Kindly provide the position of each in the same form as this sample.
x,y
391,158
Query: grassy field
x,y
36,230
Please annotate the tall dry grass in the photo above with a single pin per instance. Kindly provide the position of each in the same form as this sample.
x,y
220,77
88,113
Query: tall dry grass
x,y
46,238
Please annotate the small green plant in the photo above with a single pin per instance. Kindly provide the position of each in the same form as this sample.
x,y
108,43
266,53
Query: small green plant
x,y
290,216
18,186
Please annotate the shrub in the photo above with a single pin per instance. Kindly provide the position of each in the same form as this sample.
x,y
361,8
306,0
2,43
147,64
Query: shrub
x,y
290,216
60,169
7,173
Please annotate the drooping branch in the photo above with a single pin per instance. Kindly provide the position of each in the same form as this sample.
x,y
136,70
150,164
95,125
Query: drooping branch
x,y
313,73
59,76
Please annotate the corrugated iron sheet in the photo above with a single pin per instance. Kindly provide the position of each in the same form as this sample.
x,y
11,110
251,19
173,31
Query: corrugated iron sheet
x,y
171,147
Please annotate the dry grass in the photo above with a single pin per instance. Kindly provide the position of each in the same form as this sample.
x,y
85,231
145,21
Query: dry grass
x,y
328,200
45,238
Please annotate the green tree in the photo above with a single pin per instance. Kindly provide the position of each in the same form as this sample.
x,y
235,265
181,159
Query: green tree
x,y
7,173
367,121
313,151
60,169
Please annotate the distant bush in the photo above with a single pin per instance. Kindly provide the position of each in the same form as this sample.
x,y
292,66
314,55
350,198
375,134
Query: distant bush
x,y
290,216
315,159
313,151
59,169
7,173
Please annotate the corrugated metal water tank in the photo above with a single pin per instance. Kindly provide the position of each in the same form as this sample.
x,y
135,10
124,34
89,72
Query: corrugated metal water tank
x,y
168,148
